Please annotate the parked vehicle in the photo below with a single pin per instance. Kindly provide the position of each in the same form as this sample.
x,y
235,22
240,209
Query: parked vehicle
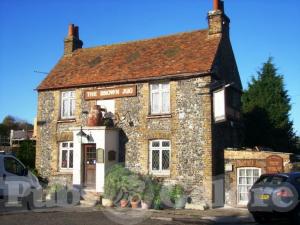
x,y
275,196
16,182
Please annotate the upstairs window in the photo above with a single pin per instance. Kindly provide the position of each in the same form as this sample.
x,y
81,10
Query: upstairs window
x,y
68,104
160,98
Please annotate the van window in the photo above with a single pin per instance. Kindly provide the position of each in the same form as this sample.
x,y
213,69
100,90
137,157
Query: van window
x,y
263,180
11,165
278,180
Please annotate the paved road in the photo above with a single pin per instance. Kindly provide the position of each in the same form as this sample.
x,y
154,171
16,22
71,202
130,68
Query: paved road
x,y
89,217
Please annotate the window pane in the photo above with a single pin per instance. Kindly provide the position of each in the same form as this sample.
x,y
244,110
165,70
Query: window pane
x,y
65,144
155,103
165,159
65,108
165,86
65,94
154,87
243,197
165,143
13,166
249,172
242,180
72,94
64,159
249,180
155,143
242,172
256,172
155,159
165,102
72,107
71,159
71,144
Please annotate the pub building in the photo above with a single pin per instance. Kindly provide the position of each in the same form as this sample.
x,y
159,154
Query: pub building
x,y
166,106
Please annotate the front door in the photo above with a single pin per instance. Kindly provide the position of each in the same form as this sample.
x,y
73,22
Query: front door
x,y
90,165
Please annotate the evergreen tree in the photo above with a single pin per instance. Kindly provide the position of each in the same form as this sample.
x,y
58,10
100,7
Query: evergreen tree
x,y
266,107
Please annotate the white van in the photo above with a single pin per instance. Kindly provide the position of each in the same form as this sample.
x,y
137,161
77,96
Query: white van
x,y
16,182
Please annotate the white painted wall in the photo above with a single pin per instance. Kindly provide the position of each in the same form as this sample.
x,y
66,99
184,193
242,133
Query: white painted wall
x,y
108,104
107,139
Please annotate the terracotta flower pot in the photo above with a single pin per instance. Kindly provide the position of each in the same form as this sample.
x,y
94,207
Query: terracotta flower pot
x,y
107,202
95,116
123,203
134,204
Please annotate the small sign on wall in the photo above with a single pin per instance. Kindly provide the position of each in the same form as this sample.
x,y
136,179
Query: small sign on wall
x,y
274,164
100,155
228,167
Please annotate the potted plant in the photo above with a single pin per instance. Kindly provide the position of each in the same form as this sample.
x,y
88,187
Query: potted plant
x,y
123,202
107,201
177,196
148,194
134,202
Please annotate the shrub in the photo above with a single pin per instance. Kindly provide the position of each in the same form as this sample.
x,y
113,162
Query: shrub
x,y
176,192
115,179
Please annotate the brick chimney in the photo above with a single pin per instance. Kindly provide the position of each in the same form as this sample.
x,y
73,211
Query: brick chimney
x,y
218,22
72,41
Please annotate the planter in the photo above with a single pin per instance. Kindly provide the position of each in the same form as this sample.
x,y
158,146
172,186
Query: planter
x,y
107,202
180,203
94,116
144,205
134,204
123,203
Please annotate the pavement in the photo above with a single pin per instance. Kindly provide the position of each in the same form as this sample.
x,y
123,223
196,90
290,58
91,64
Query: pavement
x,y
116,216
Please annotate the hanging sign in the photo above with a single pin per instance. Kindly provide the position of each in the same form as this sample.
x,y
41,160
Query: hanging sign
x,y
109,93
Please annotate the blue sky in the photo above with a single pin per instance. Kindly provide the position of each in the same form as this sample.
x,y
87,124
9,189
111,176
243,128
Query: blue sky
x,y
32,32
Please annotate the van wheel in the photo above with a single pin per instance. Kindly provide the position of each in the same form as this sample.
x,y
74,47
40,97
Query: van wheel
x,y
261,218
27,201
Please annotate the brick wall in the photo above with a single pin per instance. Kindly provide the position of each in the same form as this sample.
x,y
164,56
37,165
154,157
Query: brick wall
x,y
239,159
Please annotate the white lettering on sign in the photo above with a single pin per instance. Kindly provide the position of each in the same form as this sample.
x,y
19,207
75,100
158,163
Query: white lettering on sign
x,y
113,92
110,92
92,94
127,91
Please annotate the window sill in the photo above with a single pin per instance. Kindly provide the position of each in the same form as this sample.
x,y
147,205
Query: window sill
x,y
157,116
65,172
71,120
160,174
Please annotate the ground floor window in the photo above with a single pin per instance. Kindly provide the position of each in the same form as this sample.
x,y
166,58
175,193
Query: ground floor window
x,y
160,152
66,155
246,177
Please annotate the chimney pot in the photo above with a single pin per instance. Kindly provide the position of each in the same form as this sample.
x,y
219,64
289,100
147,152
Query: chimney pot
x,y
216,5
76,32
71,30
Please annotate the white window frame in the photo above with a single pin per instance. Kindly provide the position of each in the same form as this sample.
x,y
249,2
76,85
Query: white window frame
x,y
68,148
68,96
160,91
239,202
160,148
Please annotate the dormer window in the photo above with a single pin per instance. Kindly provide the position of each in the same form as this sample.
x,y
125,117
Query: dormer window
x,y
68,104
160,98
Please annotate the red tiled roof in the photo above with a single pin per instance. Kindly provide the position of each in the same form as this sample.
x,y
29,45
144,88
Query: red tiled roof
x,y
191,52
